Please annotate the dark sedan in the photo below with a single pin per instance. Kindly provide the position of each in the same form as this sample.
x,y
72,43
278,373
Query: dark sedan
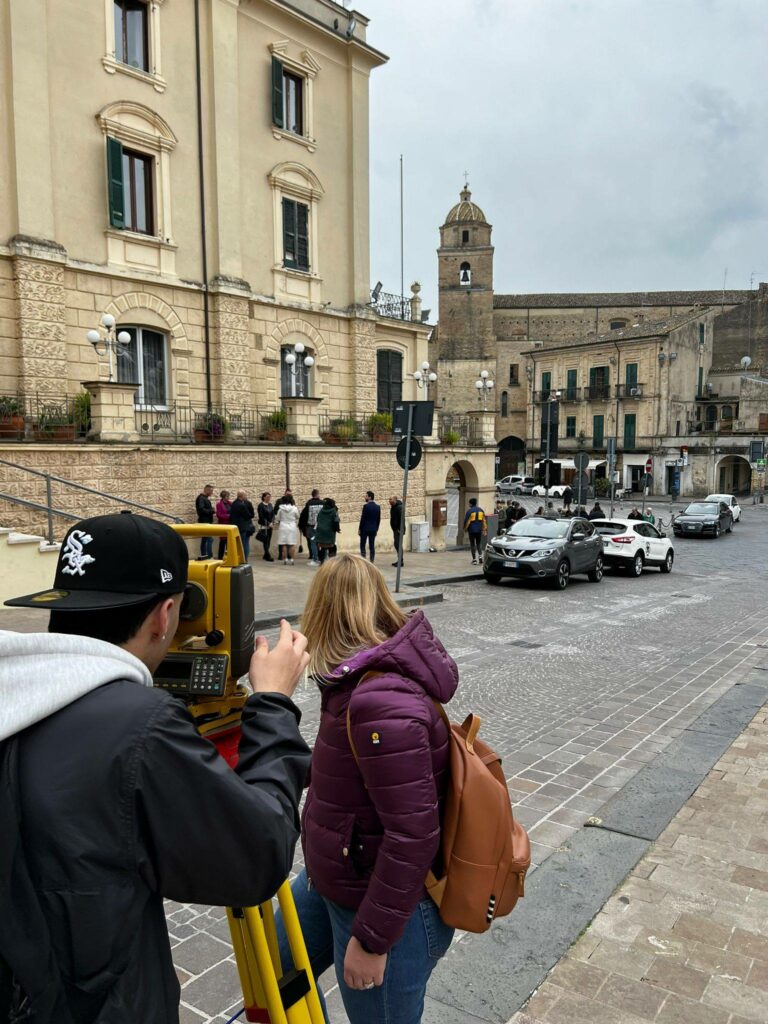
x,y
703,519
540,548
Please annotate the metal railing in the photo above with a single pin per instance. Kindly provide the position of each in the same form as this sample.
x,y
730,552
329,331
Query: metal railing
x,y
629,391
51,510
44,417
456,429
182,423
397,307
597,393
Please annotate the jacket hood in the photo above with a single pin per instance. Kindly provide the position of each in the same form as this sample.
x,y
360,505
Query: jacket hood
x,y
40,673
413,652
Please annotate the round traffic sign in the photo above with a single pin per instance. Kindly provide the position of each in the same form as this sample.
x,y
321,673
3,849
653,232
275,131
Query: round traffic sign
x,y
649,465
582,461
415,453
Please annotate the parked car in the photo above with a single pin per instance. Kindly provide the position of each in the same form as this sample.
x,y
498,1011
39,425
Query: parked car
x,y
539,548
555,490
703,518
631,545
515,484
730,501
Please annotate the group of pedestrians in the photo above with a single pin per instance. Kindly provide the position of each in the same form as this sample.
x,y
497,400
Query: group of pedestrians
x,y
318,523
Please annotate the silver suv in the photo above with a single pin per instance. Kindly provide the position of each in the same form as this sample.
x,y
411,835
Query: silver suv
x,y
539,548
515,484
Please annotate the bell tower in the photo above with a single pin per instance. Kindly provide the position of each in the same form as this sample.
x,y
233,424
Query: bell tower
x,y
465,284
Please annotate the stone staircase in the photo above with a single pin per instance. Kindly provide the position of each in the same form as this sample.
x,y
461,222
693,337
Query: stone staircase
x,y
27,564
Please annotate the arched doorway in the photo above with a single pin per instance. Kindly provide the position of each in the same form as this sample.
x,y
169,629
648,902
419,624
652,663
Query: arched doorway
x,y
511,456
734,475
461,484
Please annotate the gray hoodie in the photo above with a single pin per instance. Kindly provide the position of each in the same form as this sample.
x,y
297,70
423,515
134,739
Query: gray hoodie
x,y
40,673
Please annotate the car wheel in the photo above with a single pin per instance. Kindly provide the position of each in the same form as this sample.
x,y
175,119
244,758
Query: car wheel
x,y
666,565
638,562
716,532
563,575
596,574
493,578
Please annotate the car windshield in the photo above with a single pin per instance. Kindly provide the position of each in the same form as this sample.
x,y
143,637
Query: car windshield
x,y
542,529
702,508
610,529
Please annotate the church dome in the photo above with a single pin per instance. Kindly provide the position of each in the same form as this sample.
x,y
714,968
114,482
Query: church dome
x,y
466,211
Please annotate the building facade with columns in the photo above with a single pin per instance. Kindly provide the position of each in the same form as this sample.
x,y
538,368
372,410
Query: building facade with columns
x,y
581,368
197,175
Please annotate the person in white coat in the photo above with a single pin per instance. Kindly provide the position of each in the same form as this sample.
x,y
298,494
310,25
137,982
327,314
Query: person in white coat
x,y
287,521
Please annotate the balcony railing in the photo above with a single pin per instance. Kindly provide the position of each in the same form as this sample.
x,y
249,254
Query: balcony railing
x,y
571,395
636,390
182,423
398,307
453,429
597,393
40,417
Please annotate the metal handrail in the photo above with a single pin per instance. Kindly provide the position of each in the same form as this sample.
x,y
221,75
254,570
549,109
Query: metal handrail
x,y
51,511
48,509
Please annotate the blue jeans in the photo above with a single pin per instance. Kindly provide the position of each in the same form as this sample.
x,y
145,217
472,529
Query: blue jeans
x,y
206,547
327,930
371,538
246,543
314,554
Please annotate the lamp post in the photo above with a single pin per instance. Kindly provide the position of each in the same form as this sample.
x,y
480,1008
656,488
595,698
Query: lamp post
x,y
296,365
553,397
424,378
484,385
108,340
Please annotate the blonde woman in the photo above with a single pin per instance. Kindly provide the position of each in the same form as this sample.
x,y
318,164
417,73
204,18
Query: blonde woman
x,y
371,823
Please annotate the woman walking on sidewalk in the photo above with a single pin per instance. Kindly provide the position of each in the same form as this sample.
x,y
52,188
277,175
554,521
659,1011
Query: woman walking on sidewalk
x,y
371,823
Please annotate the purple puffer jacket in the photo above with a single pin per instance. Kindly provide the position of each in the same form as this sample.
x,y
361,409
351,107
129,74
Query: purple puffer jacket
x,y
371,832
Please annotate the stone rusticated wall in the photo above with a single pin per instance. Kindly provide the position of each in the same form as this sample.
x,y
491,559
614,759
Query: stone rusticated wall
x,y
169,478
40,297
230,370
9,329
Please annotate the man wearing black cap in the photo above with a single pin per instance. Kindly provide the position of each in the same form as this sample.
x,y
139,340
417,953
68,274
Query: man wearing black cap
x,y
114,800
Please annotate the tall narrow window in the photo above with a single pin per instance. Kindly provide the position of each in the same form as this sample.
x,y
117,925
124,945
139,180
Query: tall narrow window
x,y
546,384
288,99
630,377
138,192
464,237
295,235
504,403
630,427
295,377
514,373
570,385
389,379
132,33
599,377
570,426
465,274
144,361
598,431
700,383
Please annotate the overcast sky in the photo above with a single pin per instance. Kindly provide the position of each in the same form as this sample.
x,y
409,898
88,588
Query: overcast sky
x,y
613,144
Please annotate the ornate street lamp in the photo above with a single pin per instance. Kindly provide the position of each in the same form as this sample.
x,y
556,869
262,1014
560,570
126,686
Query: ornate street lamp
x,y
108,340
424,377
484,385
296,366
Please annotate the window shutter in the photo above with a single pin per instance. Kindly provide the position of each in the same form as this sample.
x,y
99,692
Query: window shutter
x,y
277,93
289,233
115,183
302,236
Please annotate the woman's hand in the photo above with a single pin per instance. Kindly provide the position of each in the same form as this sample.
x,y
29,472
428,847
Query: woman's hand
x,y
363,970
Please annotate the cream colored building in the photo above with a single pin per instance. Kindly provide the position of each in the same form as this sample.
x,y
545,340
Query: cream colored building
x,y
199,172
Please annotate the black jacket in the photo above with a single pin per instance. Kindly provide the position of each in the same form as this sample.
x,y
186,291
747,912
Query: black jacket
x,y
370,518
122,804
308,517
241,514
204,508
266,513
396,516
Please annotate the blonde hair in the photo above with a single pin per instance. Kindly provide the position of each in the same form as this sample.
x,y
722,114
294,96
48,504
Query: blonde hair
x,y
349,609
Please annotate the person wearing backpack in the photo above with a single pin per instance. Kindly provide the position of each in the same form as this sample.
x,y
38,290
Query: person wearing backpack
x,y
371,822
476,526
110,800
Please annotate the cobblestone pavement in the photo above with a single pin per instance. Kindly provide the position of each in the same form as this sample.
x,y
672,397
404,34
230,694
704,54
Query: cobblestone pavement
x,y
684,940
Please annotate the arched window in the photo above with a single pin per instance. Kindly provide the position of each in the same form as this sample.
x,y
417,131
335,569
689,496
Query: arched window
x,y
295,376
504,403
465,274
389,379
145,361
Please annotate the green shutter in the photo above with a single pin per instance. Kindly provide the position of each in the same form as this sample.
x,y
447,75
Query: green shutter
x,y
302,236
289,233
115,183
277,93
598,426
631,375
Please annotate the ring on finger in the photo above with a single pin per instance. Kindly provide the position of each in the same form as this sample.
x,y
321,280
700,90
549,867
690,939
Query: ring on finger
x,y
369,984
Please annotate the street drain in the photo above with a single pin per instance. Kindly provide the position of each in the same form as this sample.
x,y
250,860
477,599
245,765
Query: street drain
x,y
524,643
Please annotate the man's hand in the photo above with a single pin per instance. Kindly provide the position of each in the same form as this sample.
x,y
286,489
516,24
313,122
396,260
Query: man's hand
x,y
279,670
363,970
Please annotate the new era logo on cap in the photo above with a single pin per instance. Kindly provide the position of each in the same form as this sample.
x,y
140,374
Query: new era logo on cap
x,y
113,562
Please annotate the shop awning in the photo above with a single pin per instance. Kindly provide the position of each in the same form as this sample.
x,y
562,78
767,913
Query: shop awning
x,y
570,464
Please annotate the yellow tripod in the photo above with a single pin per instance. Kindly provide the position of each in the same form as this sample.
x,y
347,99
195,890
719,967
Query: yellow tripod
x,y
272,996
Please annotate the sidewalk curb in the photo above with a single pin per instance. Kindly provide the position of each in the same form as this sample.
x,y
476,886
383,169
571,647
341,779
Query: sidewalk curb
x,y
272,618
428,581
494,974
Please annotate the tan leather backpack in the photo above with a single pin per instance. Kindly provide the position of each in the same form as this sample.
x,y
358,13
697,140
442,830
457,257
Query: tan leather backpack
x,y
485,853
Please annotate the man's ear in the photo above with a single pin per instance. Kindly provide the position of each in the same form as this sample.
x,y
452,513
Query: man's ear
x,y
161,616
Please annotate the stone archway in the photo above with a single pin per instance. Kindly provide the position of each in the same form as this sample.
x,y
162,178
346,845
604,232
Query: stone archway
x,y
461,484
733,475
511,456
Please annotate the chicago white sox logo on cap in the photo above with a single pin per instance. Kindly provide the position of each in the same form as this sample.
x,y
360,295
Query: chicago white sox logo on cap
x,y
73,553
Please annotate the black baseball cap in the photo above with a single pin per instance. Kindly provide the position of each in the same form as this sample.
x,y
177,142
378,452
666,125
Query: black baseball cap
x,y
114,562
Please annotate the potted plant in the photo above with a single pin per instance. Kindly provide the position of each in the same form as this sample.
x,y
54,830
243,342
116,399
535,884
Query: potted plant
x,y
380,426
11,417
56,423
451,437
276,423
81,411
211,426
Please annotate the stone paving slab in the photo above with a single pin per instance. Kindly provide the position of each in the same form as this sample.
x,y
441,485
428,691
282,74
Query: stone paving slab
x,y
684,939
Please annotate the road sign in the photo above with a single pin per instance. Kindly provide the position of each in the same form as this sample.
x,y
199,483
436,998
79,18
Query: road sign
x,y
649,465
422,418
582,461
415,453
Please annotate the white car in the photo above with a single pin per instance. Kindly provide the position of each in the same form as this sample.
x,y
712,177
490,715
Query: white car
x,y
555,490
515,484
730,501
633,544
